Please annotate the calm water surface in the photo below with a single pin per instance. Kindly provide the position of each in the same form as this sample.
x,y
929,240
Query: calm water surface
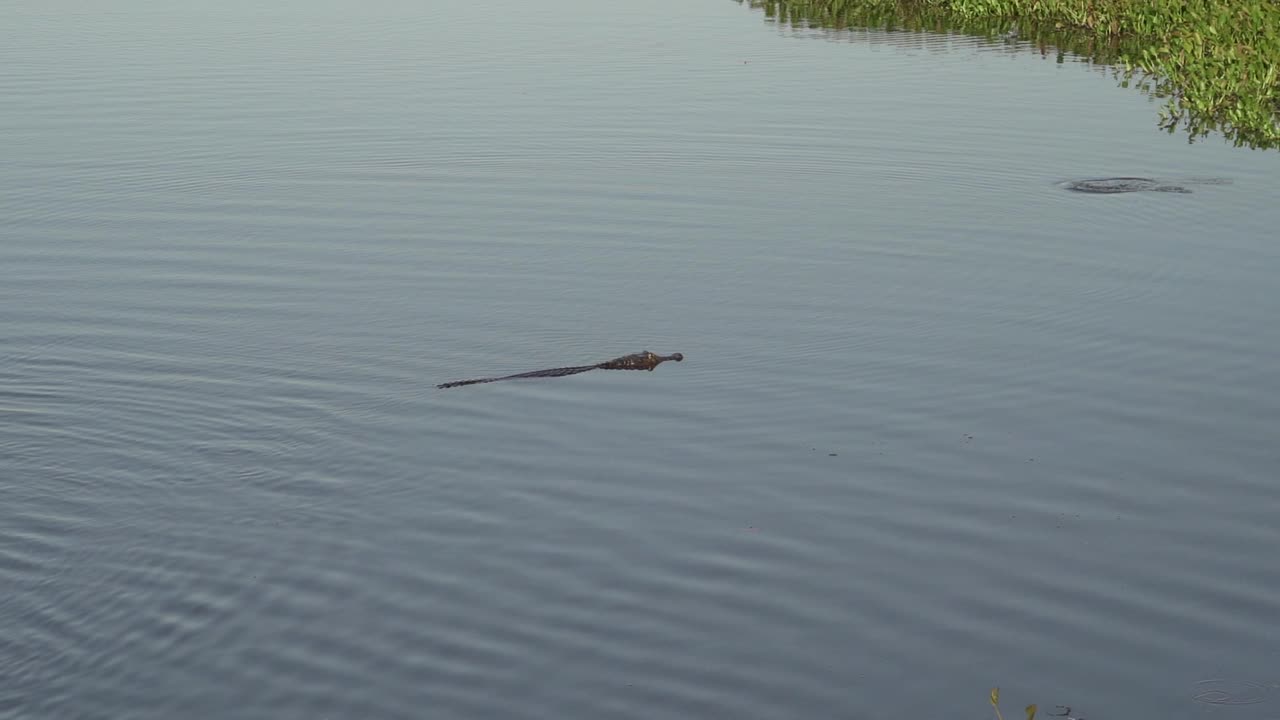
x,y
941,424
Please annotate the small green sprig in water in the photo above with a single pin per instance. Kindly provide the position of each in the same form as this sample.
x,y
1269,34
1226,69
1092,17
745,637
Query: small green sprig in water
x,y
995,703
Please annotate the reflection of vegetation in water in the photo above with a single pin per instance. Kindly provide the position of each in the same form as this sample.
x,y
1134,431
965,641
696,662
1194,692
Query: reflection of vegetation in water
x,y
1217,61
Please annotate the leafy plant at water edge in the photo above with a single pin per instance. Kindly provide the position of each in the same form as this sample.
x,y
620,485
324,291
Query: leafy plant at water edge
x,y
1216,61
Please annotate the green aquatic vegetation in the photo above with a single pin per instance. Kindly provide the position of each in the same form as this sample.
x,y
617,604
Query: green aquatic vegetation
x,y
1064,711
1216,62
995,703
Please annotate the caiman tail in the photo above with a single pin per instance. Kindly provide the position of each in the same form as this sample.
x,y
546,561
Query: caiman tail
x,y
638,361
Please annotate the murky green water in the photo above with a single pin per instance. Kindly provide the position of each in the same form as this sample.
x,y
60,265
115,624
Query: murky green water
x,y
941,424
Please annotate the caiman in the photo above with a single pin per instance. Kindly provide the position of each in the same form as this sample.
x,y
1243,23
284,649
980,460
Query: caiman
x,y
1113,185
643,360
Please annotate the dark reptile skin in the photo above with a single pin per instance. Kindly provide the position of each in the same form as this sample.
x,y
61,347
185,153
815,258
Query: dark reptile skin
x,y
644,360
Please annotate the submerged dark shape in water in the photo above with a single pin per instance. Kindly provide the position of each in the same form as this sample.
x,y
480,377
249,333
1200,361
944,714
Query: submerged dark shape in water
x,y
1112,185
643,360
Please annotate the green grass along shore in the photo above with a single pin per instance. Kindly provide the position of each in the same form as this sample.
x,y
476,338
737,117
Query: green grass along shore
x,y
1216,61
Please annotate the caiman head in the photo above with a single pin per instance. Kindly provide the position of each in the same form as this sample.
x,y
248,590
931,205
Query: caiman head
x,y
643,360
654,359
